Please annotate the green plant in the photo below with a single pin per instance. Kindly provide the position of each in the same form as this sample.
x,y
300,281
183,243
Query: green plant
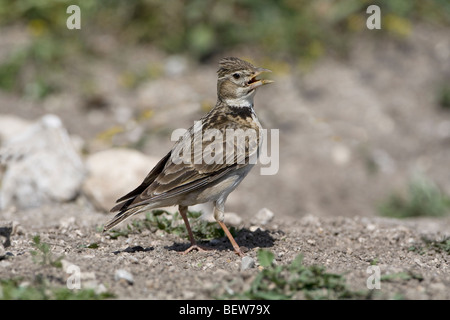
x,y
173,224
438,245
276,282
423,198
441,246
444,96
401,276
43,254
39,289
301,31
93,245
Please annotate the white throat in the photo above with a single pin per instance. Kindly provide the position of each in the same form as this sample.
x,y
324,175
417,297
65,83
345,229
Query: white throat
x,y
242,102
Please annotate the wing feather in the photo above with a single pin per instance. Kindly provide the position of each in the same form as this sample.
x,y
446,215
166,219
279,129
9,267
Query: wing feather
x,y
173,177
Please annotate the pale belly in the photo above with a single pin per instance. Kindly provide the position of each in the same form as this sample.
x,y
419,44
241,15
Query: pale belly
x,y
220,189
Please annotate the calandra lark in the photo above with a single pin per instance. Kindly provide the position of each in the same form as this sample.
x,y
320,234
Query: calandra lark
x,y
200,177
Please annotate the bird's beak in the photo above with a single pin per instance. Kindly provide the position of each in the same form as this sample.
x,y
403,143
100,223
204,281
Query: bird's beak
x,y
255,83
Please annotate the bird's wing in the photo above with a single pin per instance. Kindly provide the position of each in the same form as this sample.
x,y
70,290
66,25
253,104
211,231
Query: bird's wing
x,y
127,199
214,158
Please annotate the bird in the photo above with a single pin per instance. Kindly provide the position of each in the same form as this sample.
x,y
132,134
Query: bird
x,y
183,177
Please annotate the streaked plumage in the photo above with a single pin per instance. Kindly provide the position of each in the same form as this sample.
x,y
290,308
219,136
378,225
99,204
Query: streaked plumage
x,y
172,182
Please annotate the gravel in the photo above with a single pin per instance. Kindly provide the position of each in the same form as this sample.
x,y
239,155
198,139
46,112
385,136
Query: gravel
x,y
148,265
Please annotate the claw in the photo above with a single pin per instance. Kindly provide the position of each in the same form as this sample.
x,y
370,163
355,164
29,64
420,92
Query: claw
x,y
196,247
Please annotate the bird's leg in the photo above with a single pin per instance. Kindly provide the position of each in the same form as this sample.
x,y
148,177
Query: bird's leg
x,y
194,245
219,216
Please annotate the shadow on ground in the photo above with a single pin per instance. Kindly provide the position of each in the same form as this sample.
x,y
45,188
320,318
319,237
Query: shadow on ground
x,y
245,238
134,249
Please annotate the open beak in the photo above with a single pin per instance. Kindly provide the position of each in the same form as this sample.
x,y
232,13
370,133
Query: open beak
x,y
255,83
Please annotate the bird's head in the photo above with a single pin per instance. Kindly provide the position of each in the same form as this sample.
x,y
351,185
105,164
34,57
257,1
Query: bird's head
x,y
237,81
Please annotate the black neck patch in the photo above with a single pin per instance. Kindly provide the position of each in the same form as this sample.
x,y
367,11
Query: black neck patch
x,y
242,112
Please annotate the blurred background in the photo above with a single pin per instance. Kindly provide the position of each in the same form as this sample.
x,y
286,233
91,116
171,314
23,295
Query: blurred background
x,y
364,115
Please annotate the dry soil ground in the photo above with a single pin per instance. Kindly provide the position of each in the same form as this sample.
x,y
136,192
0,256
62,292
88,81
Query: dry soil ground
x,y
346,246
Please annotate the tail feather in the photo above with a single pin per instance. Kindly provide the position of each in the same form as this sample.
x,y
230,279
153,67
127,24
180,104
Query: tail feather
x,y
123,203
121,216
122,206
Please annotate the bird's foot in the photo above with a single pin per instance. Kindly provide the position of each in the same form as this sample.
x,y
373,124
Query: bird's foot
x,y
239,252
196,247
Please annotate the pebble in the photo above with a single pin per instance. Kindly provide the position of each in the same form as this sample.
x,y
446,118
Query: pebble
x,y
232,219
122,274
263,217
341,154
254,228
418,262
247,263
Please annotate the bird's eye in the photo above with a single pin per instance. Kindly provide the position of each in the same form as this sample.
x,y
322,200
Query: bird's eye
x,y
236,75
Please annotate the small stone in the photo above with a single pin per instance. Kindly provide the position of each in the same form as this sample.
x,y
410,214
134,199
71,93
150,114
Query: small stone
x,y
232,219
17,228
254,228
247,263
122,274
108,178
263,217
188,295
341,154
100,289
418,262
65,265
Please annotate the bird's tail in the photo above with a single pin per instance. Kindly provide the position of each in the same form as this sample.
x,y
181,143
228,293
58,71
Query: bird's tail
x,y
121,216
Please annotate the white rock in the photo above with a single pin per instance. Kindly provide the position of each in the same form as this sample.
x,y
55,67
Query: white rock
x,y
66,265
254,228
340,154
232,219
247,263
122,274
45,168
263,216
113,173
11,126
